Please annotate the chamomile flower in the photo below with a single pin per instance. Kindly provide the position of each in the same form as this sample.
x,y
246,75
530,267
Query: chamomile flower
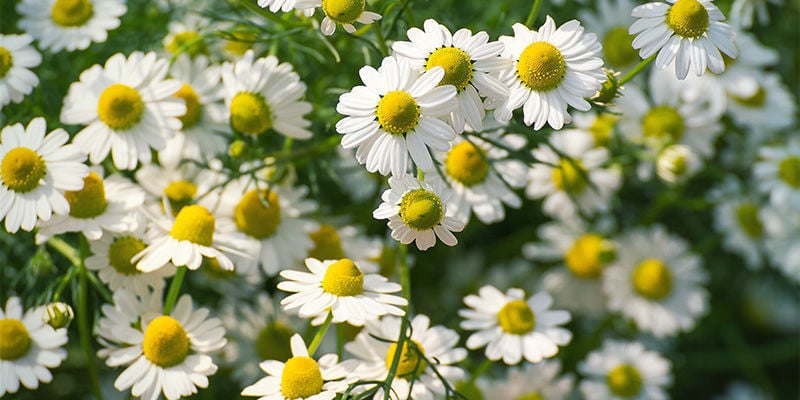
x,y
35,171
763,108
512,327
17,58
656,282
162,353
778,173
28,347
341,288
738,216
302,377
470,62
575,180
625,370
676,163
689,32
103,204
552,68
610,23
333,243
70,24
128,106
287,5
417,211
483,177
262,95
534,381
376,348
396,114
186,36
342,12
742,12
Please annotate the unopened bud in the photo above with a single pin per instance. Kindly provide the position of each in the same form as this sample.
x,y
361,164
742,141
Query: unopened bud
x,y
609,90
58,315
676,163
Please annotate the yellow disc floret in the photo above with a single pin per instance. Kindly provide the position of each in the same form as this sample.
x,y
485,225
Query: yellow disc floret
x,y
789,171
652,279
72,13
194,110
618,47
398,112
602,128
195,224
588,254
6,61
190,41
456,64
301,378
258,214
327,244
541,66
120,252
343,278
180,194
516,317
467,163
688,18
747,216
570,176
343,11
165,343
90,201
250,113
663,123
22,169
411,364
273,342
421,209
624,381
120,107
15,341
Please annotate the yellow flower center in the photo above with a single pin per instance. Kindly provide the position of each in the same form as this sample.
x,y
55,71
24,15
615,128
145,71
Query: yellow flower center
x,y
624,381
747,216
618,47
121,251
467,164
421,209
195,224
250,113
301,378
90,201
180,194
343,11
120,106
587,256
570,177
663,123
652,279
22,169
194,110
343,278
756,100
530,396
72,13
6,61
258,214
165,343
327,244
541,66
190,42
789,171
602,128
688,18
456,64
516,317
273,342
398,112
14,339
411,364
240,42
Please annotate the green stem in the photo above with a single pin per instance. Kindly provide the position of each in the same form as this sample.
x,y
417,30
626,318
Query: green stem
x,y
405,281
637,69
381,41
65,249
84,331
534,11
405,275
174,290
480,370
319,335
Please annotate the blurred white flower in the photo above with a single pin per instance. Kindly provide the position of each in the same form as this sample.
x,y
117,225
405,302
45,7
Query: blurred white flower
x,y
534,381
69,24
625,370
17,58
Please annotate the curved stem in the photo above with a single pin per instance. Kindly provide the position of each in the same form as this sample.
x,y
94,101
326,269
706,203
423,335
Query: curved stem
x,y
320,334
534,11
84,330
174,290
381,40
637,69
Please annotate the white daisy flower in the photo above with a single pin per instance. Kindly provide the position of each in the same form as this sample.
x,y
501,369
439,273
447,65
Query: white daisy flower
x,y
738,217
769,108
342,12
689,32
107,204
70,24
778,173
35,171
513,327
261,94
625,370
470,62
575,180
162,353
610,22
742,12
656,282
341,288
302,377
782,226
376,347
287,5
185,36
334,243
534,381
417,211
676,163
28,347
483,176
128,106
552,68
396,114
17,58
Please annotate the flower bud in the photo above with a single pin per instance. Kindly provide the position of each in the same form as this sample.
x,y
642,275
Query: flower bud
x,y
58,315
676,163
